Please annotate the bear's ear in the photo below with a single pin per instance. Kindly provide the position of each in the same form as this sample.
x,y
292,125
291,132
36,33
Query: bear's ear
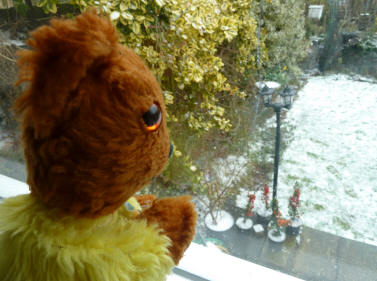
x,y
61,55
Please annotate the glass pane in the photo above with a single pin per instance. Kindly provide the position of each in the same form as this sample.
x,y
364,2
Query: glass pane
x,y
294,190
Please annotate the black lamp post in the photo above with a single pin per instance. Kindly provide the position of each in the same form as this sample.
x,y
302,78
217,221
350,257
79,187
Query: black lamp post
x,y
277,99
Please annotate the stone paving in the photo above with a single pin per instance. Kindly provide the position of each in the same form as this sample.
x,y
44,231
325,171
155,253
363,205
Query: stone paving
x,y
12,169
320,256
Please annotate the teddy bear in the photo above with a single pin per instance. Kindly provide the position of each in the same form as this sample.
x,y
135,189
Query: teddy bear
x,y
94,133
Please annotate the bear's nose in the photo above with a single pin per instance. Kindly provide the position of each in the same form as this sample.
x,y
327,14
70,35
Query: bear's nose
x,y
171,150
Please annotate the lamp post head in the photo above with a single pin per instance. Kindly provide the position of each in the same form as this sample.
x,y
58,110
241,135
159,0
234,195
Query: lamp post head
x,y
287,95
266,90
272,97
266,94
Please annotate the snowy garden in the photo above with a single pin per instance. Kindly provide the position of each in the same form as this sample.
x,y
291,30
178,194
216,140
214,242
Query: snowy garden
x,y
333,156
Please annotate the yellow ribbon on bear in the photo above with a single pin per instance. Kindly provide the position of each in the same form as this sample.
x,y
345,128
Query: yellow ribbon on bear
x,y
133,207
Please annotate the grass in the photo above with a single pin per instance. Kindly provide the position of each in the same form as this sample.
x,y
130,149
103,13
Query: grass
x,y
313,155
289,161
349,191
318,207
333,171
319,142
343,224
341,163
292,178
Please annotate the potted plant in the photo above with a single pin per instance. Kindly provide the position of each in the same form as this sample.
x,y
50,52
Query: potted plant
x,y
293,210
220,182
217,219
264,211
245,222
277,226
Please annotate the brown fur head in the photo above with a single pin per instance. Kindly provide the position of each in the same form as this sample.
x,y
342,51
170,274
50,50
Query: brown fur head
x,y
86,145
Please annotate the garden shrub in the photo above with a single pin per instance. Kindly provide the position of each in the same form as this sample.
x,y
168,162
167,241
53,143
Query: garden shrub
x,y
284,37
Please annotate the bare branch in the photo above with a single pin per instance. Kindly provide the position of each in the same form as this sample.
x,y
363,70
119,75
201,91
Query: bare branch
x,y
7,58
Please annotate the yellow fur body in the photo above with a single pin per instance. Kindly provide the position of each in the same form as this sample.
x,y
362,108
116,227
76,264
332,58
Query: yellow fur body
x,y
40,244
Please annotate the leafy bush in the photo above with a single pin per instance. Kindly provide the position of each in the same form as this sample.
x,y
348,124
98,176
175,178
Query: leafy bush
x,y
368,43
284,35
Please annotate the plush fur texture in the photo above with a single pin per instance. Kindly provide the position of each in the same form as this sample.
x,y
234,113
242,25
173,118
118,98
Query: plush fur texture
x,y
86,146
177,219
87,151
40,244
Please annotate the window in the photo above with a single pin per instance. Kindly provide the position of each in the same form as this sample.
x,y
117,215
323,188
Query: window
x,y
286,181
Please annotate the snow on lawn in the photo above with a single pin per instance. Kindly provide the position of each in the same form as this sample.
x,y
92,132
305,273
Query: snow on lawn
x,y
334,156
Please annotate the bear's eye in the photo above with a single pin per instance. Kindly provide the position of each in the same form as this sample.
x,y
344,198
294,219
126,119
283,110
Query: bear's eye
x,y
152,118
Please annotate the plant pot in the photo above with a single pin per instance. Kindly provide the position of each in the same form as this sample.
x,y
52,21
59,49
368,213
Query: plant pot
x,y
280,238
224,221
264,216
244,223
294,229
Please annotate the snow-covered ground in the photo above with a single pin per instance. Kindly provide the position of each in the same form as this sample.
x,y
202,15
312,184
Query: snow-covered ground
x,y
333,156
5,39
